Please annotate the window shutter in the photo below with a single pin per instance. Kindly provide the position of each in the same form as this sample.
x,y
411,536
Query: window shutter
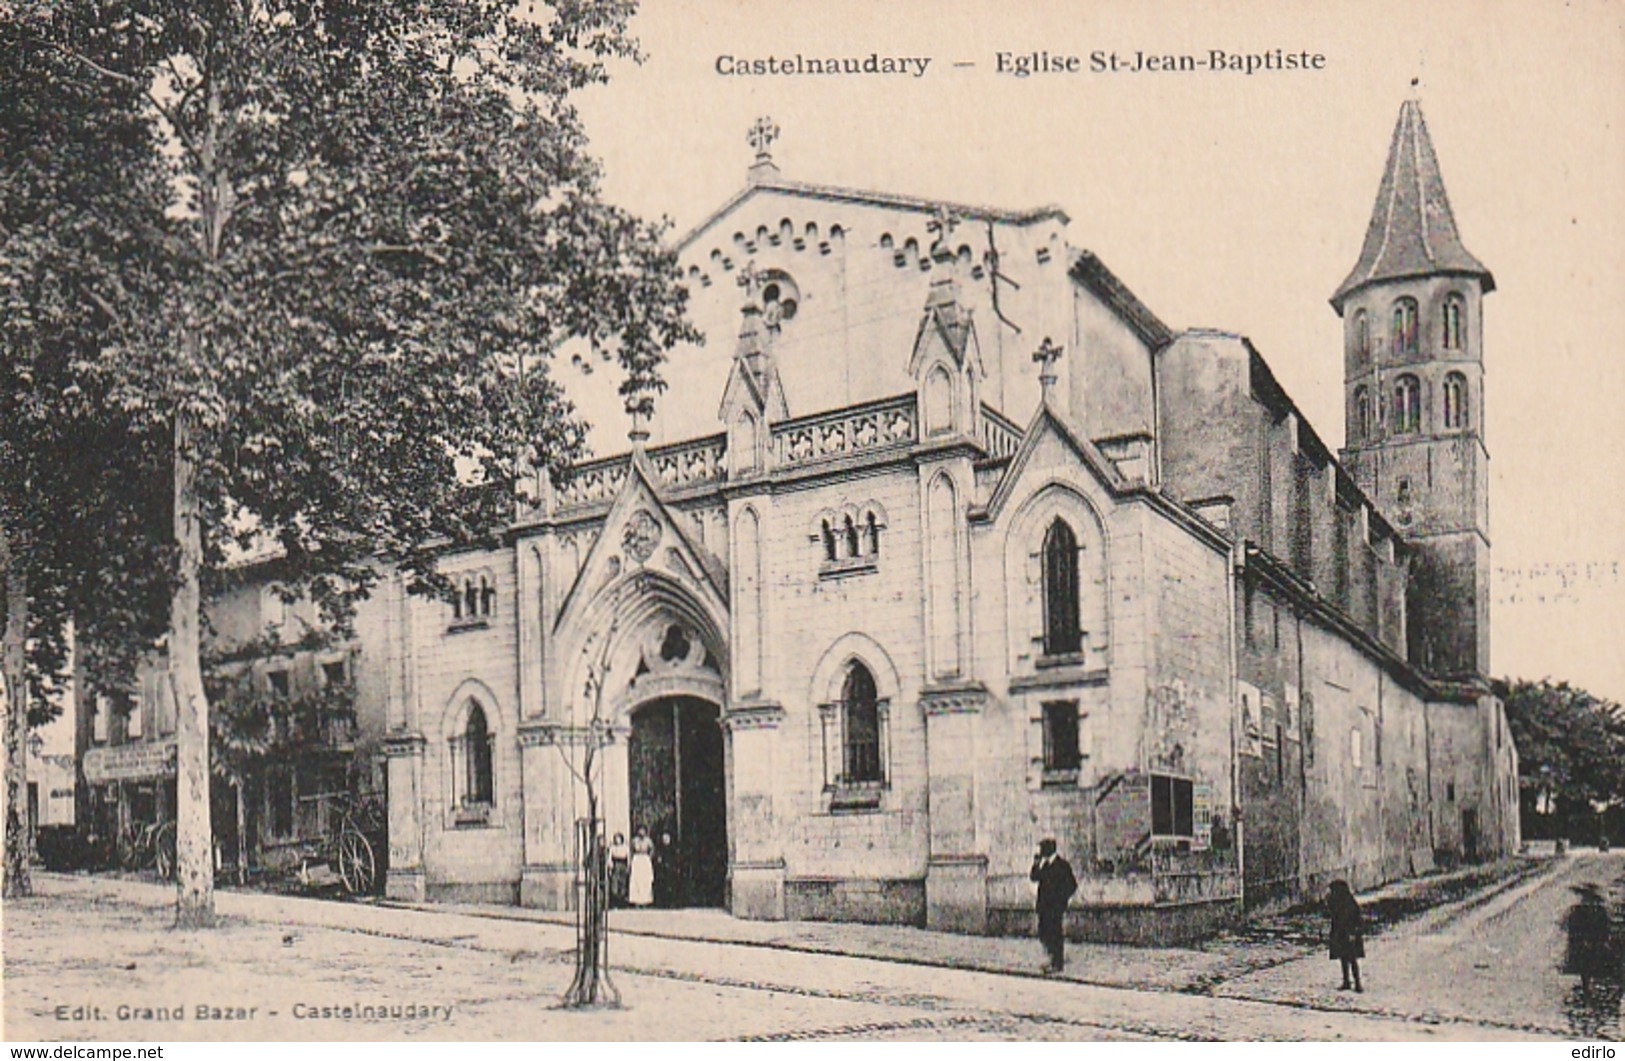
x,y
1035,746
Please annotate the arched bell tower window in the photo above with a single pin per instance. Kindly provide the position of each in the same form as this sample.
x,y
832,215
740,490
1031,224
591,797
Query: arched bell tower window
x,y
1404,334
1455,308
1455,401
1362,414
1062,629
1407,418
1362,336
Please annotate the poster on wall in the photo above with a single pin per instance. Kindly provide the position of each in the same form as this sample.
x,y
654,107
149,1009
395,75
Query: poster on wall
x,y
1201,817
1249,703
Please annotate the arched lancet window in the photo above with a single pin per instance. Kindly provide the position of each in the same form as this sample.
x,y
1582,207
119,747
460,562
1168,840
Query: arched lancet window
x,y
471,599
1404,327
1455,308
829,540
860,728
1362,336
1455,401
849,535
1062,633
871,534
488,596
471,760
1362,414
1407,416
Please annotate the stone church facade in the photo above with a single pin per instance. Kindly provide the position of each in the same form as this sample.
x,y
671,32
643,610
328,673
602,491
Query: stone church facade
x,y
951,545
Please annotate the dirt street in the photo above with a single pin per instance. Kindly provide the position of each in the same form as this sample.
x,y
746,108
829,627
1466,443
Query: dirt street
x,y
93,959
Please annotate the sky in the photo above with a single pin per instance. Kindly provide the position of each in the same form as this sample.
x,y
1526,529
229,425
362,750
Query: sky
x,y
1232,201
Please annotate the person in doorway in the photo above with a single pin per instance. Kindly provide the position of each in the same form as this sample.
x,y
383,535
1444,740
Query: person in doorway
x,y
1588,955
1056,885
641,871
1347,932
667,877
620,870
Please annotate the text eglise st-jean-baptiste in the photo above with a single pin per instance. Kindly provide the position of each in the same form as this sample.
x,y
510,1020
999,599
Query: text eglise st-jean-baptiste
x,y
1028,64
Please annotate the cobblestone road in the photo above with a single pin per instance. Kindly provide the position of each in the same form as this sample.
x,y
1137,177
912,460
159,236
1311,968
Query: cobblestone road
x,y
96,945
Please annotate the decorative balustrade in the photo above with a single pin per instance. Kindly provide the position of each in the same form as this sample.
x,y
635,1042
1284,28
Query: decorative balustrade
x,y
680,465
828,436
594,482
1000,438
691,463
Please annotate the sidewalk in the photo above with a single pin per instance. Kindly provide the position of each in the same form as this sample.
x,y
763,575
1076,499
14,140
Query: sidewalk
x,y
1261,944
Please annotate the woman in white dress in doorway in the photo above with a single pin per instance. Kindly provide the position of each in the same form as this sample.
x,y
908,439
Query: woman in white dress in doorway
x,y
640,890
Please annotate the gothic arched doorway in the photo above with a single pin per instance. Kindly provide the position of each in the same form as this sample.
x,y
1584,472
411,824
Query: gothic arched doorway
x,y
675,774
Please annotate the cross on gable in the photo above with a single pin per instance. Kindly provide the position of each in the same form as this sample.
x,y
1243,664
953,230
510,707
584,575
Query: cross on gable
x,y
1046,355
761,135
943,222
750,279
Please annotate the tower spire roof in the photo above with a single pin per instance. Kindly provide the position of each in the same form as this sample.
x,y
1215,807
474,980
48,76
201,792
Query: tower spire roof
x,y
1412,230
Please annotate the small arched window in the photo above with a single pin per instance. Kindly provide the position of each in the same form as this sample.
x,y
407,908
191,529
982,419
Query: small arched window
x,y
860,729
1455,309
1062,632
1455,401
871,534
471,760
1404,327
1362,336
1362,414
849,535
1407,417
829,540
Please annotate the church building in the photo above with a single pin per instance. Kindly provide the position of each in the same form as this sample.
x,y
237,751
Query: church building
x,y
946,543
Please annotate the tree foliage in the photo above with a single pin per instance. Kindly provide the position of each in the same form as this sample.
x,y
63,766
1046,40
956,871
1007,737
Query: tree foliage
x,y
1571,744
350,237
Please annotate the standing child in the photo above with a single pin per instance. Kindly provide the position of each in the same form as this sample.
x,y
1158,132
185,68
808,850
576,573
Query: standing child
x,y
1347,932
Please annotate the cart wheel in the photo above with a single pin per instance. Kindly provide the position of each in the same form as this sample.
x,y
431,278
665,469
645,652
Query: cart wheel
x,y
357,869
164,851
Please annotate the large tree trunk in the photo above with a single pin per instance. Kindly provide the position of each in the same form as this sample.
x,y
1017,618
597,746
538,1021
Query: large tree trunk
x,y
19,880
194,847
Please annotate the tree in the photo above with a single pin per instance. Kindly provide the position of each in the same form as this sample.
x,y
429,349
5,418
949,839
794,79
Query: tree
x,y
591,985
74,477
1571,747
377,223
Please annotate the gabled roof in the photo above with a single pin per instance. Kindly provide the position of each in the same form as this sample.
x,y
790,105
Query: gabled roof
x,y
1044,422
830,193
641,491
1412,230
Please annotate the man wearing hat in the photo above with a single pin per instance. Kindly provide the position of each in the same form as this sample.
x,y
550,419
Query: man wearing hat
x,y
1056,884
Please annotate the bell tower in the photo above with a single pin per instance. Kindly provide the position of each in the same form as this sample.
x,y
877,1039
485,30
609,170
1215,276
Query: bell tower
x,y
1414,400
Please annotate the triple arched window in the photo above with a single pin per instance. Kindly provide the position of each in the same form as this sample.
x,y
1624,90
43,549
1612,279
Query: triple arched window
x,y
1403,335
1063,632
1407,411
849,539
475,599
1455,402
